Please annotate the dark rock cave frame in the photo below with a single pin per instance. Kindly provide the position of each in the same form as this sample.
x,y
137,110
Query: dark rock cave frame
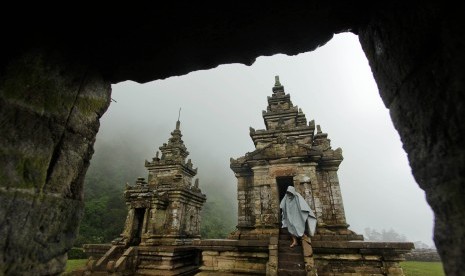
x,y
55,85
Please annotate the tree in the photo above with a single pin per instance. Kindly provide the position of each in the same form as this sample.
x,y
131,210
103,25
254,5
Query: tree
x,y
114,163
217,221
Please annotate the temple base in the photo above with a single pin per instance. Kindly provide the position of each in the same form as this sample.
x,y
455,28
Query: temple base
x,y
141,260
247,256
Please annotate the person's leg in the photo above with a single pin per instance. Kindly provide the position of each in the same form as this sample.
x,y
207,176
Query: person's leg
x,y
294,241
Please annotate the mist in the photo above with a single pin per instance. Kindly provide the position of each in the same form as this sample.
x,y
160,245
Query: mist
x,y
332,85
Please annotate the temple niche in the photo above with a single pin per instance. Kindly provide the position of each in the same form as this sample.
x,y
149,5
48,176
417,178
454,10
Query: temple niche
x,y
288,153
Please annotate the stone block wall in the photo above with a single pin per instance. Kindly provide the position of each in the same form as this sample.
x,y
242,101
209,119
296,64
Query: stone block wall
x,y
249,257
359,258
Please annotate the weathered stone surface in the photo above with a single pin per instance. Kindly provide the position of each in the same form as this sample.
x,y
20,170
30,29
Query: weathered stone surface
x,y
50,110
418,77
359,258
234,256
48,228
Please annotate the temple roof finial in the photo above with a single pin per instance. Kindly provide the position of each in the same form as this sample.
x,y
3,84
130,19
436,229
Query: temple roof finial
x,y
277,85
178,123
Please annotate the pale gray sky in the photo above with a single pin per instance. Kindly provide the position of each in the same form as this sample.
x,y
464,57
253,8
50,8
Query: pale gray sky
x,y
333,85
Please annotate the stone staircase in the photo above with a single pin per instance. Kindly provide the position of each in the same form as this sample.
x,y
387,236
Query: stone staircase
x,y
290,260
117,259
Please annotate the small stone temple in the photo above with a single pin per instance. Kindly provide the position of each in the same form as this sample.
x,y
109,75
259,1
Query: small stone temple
x,y
161,236
163,219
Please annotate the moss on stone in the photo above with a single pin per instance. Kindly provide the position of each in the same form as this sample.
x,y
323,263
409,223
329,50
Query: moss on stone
x,y
3,179
45,228
23,171
33,171
91,105
38,85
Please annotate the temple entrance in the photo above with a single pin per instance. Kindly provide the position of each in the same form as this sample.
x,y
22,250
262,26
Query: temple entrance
x,y
139,214
283,182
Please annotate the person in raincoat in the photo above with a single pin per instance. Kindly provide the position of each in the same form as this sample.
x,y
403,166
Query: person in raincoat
x,y
296,214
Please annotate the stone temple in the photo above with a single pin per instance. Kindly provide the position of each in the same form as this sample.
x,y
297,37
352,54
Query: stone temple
x,y
163,219
161,236
289,152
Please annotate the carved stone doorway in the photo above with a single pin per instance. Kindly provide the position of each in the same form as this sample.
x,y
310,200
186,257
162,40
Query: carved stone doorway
x,y
138,223
283,182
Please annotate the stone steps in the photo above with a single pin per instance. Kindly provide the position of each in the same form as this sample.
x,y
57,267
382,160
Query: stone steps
x,y
290,272
289,257
290,260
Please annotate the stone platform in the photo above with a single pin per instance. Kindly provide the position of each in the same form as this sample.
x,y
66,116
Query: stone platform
x,y
224,257
260,257
141,260
248,257
359,257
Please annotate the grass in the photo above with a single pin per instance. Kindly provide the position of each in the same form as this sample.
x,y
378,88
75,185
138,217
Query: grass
x,y
74,264
422,268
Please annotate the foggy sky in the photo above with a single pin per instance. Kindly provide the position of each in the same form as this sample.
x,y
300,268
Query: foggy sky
x,y
332,85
